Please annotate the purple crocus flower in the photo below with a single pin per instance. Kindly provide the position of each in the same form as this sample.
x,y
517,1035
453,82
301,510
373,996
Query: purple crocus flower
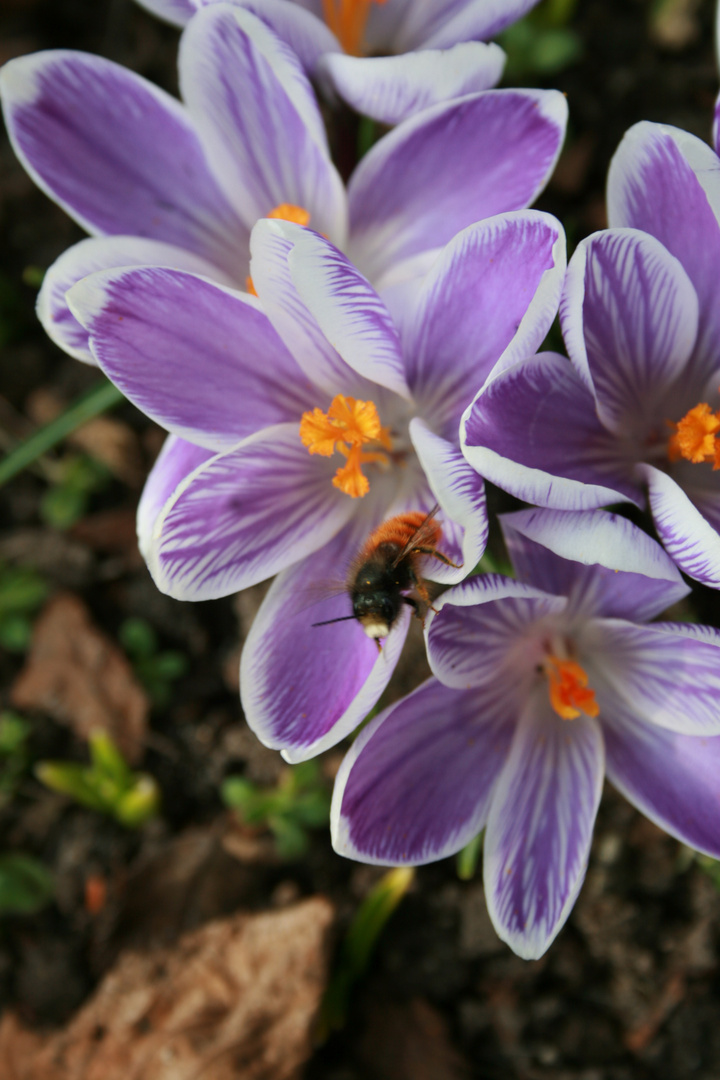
x,y
259,393
634,415
541,686
352,46
161,183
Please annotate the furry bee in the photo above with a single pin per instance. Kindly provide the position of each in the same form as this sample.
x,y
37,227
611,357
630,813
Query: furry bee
x,y
384,574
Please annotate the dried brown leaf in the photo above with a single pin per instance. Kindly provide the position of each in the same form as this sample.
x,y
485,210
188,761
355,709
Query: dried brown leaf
x,y
235,1000
79,677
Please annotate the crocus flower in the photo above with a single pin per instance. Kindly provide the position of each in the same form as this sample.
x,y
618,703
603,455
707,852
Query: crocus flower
x,y
353,45
300,422
634,414
541,686
161,183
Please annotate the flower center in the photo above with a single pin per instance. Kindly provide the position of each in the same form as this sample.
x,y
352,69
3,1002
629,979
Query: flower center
x,y
694,437
570,694
347,19
347,427
285,212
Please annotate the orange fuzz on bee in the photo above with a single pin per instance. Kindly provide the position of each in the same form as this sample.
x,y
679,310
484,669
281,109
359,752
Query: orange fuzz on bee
x,y
385,573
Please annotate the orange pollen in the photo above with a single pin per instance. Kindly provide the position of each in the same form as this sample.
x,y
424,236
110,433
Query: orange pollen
x,y
346,428
569,692
347,19
694,437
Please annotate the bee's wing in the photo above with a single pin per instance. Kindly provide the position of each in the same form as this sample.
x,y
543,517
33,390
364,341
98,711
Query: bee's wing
x,y
425,535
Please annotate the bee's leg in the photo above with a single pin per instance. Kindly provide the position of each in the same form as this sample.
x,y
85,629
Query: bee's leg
x,y
438,555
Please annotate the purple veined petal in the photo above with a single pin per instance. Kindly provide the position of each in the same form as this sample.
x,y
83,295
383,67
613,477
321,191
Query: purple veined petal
x,y
202,360
271,243
243,516
347,309
461,495
305,687
539,830
118,154
667,183
703,490
305,33
685,534
667,678
533,431
629,315
416,784
103,253
465,21
604,563
671,778
475,630
496,284
259,120
177,12
392,88
174,463
498,149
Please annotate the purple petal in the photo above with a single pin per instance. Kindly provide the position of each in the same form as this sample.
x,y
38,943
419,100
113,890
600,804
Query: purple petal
x,y
103,253
392,88
199,359
473,632
671,778
498,282
497,149
466,21
667,183
305,33
461,495
118,154
174,463
686,535
607,565
305,687
176,12
259,119
539,829
416,784
662,675
629,316
533,431
347,309
245,515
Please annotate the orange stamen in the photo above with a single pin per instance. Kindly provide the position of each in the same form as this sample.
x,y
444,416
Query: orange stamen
x,y
569,692
347,20
346,428
694,437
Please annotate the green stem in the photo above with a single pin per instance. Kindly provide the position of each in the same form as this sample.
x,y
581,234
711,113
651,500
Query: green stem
x,y
102,397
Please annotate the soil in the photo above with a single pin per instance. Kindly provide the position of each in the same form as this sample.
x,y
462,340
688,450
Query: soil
x,y
631,987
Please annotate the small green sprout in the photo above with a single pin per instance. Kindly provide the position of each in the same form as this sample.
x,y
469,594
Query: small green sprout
x,y
22,591
300,802
157,671
359,943
77,477
467,859
542,43
107,785
711,868
26,885
14,756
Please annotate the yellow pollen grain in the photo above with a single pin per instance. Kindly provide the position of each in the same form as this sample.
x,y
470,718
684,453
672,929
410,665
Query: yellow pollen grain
x,y
694,437
347,20
570,694
347,427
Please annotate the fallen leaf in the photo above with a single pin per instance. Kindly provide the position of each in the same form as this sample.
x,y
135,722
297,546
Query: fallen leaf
x,y
235,1000
79,677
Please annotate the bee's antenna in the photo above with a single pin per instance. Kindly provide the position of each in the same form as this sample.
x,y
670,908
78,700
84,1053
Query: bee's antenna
x,y
326,622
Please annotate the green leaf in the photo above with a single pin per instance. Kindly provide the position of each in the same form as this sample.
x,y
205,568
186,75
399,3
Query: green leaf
x,y
68,778
102,397
25,885
137,637
467,859
107,760
61,507
22,590
290,838
140,804
15,633
14,732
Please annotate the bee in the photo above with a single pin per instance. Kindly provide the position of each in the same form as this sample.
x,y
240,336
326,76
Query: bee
x,y
384,574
